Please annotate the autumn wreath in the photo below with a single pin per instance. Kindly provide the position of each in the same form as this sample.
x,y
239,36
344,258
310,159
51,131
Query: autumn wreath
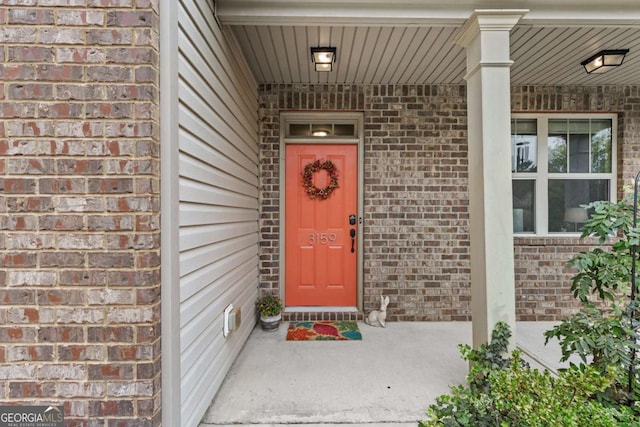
x,y
307,179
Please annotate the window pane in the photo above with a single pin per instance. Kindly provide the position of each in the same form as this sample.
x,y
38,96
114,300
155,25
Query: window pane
x,y
601,146
589,146
565,198
557,145
344,130
579,153
579,126
298,129
524,145
579,146
523,205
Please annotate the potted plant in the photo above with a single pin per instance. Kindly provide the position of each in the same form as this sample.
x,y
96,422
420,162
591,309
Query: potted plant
x,y
270,309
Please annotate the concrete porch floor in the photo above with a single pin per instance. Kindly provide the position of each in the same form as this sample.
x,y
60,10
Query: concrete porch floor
x,y
389,378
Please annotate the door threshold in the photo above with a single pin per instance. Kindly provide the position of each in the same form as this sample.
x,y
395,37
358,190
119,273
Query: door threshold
x,y
314,314
316,309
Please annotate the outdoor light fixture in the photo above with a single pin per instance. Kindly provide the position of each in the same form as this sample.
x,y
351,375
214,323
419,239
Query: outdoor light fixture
x,y
604,61
323,58
321,129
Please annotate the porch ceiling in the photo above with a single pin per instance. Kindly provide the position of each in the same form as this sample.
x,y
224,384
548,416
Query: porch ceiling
x,y
413,41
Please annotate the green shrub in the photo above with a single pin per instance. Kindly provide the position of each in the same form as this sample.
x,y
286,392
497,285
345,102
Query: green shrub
x,y
603,333
503,391
488,357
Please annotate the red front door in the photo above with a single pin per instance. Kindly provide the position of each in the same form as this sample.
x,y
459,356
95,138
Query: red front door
x,y
320,252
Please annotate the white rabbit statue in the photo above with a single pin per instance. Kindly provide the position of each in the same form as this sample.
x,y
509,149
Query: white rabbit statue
x,y
378,317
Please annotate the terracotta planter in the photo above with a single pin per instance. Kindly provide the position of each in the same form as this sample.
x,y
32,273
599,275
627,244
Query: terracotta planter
x,y
271,323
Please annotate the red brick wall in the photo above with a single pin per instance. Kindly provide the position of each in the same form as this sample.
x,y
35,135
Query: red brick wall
x,y
416,219
79,209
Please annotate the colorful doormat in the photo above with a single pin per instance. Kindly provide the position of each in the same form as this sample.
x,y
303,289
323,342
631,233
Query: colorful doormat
x,y
323,331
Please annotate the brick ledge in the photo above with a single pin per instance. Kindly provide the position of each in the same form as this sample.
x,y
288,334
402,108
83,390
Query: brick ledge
x,y
310,316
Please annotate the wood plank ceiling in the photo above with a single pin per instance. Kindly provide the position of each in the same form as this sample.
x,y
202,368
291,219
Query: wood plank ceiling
x,y
542,55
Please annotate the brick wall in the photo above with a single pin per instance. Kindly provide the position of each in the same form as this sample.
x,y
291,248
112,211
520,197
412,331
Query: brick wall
x,y
416,239
416,247
542,280
79,209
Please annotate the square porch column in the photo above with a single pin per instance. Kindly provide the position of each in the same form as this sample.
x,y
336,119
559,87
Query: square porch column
x,y
485,36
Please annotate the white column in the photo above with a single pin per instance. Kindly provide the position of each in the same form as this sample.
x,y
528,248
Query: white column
x,y
485,36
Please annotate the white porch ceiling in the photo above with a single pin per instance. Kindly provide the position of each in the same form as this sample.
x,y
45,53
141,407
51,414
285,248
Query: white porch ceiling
x,y
413,41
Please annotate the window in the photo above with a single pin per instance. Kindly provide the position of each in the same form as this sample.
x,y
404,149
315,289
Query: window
x,y
559,163
319,129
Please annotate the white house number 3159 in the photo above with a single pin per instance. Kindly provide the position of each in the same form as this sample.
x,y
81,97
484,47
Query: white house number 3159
x,y
321,238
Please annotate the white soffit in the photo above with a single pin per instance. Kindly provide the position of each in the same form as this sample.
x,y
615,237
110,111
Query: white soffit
x,y
384,42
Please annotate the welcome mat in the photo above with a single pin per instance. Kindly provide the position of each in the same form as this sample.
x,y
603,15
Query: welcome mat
x,y
323,331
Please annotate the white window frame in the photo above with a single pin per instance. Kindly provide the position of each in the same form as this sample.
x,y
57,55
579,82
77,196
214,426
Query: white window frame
x,y
542,176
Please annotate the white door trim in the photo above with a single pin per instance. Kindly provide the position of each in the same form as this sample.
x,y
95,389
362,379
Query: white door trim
x,y
169,212
358,119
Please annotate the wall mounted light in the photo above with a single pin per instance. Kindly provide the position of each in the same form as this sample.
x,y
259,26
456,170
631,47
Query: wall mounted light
x,y
604,61
323,58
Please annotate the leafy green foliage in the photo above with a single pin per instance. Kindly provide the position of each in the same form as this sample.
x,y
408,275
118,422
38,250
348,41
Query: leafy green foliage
x,y
503,391
601,272
488,357
269,305
603,334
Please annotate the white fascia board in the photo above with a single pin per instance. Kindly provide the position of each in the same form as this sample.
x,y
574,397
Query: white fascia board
x,y
250,12
422,12
591,17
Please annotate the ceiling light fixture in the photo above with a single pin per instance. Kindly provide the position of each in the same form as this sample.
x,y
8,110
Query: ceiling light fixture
x,y
323,58
604,61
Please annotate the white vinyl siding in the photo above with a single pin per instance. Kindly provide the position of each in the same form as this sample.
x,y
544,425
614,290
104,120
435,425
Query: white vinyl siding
x,y
218,202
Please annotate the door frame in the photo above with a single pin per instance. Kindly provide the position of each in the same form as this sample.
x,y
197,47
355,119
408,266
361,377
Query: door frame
x,y
357,118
